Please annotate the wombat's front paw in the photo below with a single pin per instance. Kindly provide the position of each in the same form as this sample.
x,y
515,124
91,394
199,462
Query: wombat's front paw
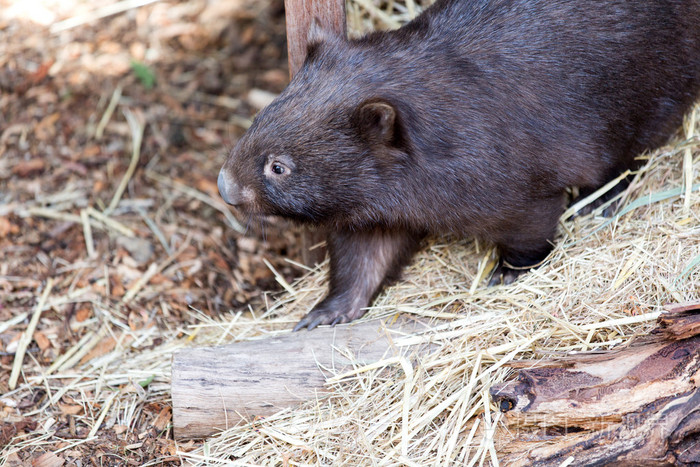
x,y
325,314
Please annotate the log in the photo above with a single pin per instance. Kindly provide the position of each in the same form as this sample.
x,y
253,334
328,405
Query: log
x,y
214,388
636,406
299,14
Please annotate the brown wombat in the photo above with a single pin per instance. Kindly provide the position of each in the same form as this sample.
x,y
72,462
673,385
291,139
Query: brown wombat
x,y
473,120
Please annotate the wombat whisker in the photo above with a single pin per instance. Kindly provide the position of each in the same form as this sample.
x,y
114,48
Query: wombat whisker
x,y
247,224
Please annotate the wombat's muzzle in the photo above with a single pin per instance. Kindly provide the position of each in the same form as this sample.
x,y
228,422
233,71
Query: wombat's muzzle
x,y
228,190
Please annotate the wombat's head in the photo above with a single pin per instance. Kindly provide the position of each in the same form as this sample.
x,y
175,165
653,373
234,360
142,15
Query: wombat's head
x,y
326,148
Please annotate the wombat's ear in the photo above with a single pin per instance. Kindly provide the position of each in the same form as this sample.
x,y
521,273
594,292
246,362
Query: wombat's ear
x,y
318,33
376,121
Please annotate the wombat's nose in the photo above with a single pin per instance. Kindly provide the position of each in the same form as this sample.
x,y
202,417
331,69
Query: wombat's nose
x,y
227,190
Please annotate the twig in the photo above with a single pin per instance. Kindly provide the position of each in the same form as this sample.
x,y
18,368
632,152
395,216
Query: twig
x,y
52,214
140,283
593,196
116,95
111,223
154,269
156,231
27,336
4,326
100,220
688,163
87,233
84,350
280,279
136,126
103,414
58,363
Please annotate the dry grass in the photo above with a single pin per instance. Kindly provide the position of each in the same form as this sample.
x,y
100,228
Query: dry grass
x,y
605,281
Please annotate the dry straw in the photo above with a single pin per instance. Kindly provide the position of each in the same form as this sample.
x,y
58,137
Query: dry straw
x,y
605,282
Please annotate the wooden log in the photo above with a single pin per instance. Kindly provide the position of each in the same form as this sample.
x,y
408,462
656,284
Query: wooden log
x,y
217,387
636,406
330,14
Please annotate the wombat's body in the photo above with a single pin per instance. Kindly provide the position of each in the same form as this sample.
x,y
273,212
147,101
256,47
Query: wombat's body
x,y
471,120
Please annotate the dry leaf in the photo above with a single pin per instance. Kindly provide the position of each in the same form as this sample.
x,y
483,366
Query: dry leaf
x,y
163,419
13,460
117,287
83,313
28,168
5,227
46,129
137,319
103,347
70,409
41,340
218,260
98,186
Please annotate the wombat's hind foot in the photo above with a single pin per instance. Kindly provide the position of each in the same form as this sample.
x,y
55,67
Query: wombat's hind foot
x,y
505,275
516,261
610,210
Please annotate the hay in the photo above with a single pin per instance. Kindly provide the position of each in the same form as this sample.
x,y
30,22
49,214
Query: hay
x,y
605,282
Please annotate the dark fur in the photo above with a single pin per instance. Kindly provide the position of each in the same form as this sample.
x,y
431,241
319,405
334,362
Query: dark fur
x,y
473,120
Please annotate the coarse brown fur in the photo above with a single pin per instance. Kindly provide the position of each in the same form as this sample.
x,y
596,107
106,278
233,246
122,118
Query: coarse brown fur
x,y
471,120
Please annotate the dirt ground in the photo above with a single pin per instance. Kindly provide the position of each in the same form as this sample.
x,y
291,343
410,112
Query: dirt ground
x,y
161,254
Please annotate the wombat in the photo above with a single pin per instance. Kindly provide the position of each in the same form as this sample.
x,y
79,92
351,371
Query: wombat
x,y
471,120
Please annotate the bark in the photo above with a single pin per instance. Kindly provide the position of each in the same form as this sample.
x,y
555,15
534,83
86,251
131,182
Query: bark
x,y
635,406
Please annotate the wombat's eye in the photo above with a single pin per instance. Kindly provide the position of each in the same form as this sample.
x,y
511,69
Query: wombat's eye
x,y
278,167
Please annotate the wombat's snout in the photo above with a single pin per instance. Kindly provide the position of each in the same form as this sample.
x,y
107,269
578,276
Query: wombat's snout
x,y
228,190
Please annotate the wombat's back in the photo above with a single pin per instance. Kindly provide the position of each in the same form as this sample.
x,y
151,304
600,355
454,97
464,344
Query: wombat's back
x,y
612,77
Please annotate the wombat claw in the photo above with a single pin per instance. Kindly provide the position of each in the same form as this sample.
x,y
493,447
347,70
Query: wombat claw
x,y
505,275
317,317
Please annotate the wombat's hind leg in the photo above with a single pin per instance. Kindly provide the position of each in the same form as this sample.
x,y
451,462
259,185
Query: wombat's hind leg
x,y
360,264
527,241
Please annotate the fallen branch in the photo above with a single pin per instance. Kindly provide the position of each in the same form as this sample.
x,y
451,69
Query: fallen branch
x,y
636,406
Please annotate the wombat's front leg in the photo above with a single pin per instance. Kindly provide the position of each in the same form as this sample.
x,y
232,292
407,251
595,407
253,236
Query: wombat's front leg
x,y
361,263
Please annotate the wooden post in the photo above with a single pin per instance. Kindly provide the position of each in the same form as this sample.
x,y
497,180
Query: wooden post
x,y
217,387
299,14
